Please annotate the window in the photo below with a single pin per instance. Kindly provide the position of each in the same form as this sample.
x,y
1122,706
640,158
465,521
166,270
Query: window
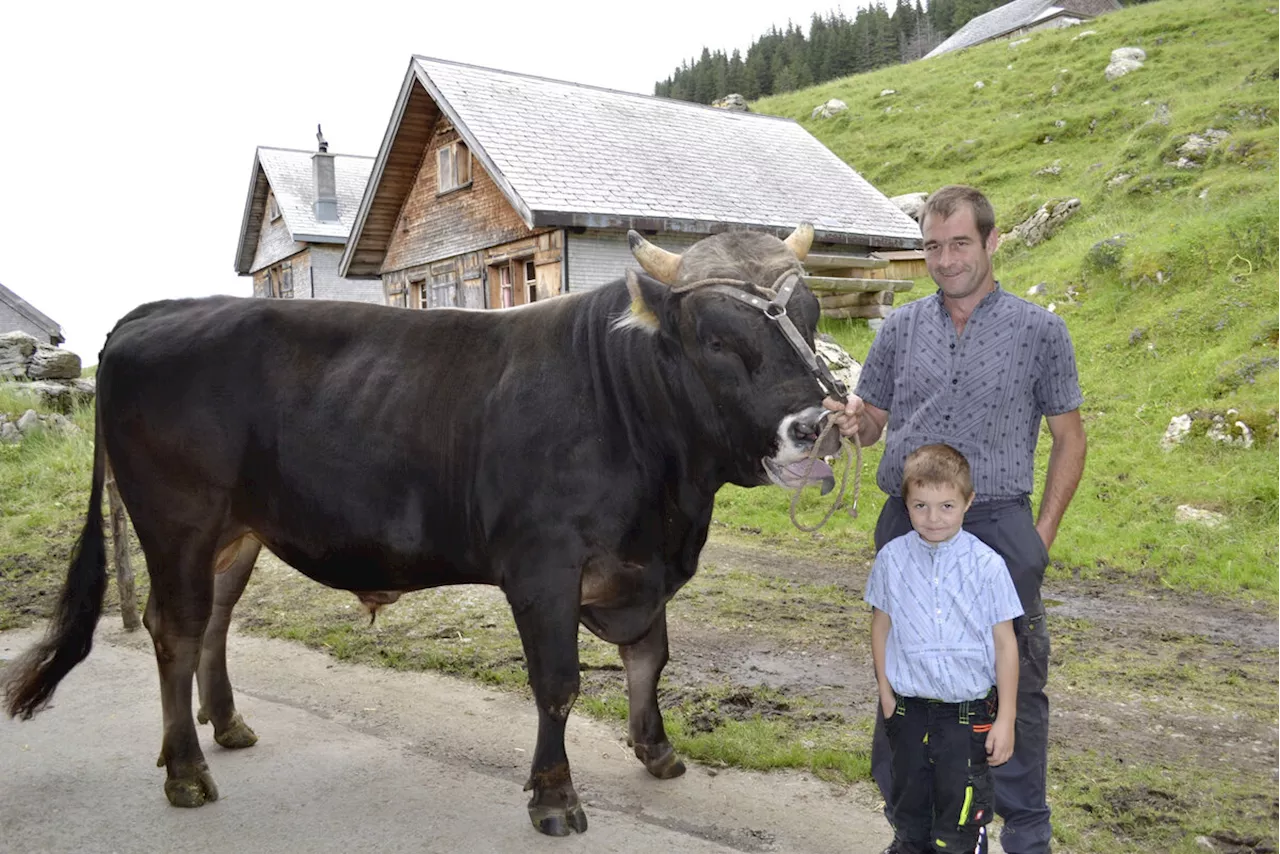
x,y
505,288
421,293
530,282
273,209
453,167
286,281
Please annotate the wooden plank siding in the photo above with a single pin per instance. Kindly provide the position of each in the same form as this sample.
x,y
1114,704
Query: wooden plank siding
x,y
398,175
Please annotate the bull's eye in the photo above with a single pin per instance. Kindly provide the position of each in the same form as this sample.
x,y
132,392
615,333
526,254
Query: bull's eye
x,y
714,345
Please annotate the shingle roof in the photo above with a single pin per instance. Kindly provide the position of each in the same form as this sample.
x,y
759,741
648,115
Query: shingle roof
x,y
569,154
289,174
32,313
998,21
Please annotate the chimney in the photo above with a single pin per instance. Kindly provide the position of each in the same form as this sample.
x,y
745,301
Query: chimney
x,y
326,184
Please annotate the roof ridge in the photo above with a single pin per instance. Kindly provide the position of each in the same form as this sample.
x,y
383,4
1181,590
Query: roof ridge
x,y
306,151
672,101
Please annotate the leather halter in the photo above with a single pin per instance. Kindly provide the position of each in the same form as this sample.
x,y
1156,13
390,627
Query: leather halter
x,y
776,310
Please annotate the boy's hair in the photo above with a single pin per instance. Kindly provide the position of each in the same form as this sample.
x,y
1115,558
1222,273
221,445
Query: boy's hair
x,y
937,465
945,202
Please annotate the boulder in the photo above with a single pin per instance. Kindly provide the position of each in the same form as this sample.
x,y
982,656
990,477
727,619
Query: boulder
x,y
845,368
734,102
1044,223
15,349
831,108
60,395
1131,54
1198,516
51,363
1178,430
911,204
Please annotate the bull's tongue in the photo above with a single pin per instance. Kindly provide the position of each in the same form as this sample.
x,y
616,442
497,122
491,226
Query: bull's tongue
x,y
817,472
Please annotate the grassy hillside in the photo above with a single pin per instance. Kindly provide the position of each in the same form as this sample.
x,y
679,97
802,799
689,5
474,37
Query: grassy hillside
x,y
1178,315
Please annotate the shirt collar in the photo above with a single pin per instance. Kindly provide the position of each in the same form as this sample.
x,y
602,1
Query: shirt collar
x,y
987,301
944,546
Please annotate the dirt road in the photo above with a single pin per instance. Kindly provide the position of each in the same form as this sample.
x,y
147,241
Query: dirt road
x,y
353,758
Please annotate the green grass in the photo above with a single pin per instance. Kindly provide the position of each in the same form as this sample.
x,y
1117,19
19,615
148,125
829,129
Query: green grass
x,y
1180,318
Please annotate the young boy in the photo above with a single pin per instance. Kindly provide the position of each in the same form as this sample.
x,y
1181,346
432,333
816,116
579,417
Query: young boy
x,y
941,637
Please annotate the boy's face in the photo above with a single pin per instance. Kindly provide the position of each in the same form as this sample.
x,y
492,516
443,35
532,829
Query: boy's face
x,y
937,511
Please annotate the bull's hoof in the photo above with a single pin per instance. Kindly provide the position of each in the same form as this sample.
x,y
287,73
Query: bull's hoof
x,y
191,791
558,821
236,735
660,760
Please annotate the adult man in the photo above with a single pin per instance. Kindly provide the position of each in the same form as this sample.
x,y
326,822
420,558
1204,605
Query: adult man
x,y
977,368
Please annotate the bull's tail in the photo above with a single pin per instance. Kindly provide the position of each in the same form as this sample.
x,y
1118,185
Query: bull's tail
x,y
29,681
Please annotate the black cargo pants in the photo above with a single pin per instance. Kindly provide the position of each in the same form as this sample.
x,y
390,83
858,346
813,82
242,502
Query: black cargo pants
x,y
1020,783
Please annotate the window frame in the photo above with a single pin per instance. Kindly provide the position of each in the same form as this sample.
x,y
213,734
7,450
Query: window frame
x,y
458,169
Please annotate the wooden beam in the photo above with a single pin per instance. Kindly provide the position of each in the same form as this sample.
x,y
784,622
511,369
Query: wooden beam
x,y
821,261
856,298
868,311
841,285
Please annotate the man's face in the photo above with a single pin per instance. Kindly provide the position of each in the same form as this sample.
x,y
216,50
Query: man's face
x,y
957,258
937,511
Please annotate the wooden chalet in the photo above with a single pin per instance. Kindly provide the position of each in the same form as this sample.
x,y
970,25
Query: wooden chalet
x,y
297,216
495,189
18,315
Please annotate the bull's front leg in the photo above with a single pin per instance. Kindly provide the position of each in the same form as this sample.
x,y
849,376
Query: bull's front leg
x,y
644,661
547,618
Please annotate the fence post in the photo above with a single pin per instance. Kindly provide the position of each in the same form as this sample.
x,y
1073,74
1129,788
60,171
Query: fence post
x,y
120,549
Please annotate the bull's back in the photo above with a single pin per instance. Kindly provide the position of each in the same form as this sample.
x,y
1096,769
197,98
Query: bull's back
x,y
339,432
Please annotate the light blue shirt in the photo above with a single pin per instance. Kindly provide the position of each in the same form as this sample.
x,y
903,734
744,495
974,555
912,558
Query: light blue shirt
x,y
943,602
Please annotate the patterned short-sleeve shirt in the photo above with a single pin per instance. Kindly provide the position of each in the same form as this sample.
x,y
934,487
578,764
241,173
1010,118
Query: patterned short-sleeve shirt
x,y
982,392
943,602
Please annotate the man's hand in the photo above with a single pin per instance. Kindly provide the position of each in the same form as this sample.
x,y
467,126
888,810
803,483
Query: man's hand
x,y
888,702
857,418
1000,740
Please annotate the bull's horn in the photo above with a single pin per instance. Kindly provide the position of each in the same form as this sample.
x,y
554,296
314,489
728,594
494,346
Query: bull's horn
x,y
800,240
659,263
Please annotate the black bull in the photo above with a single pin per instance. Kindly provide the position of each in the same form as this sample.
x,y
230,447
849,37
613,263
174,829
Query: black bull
x,y
568,452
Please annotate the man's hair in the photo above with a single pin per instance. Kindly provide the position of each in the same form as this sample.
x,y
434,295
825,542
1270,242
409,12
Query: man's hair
x,y
937,465
948,200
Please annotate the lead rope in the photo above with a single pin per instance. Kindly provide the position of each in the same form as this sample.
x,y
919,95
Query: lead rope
x,y
852,457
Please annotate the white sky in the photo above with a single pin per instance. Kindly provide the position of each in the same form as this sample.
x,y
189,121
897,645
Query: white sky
x,y
127,130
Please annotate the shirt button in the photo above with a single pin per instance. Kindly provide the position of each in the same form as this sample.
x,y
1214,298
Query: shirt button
x,y
955,382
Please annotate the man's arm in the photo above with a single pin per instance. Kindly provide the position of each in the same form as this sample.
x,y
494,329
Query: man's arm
x,y
880,624
1000,739
849,417
1066,464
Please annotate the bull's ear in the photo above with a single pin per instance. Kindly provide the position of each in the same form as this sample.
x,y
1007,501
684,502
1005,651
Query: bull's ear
x,y
648,300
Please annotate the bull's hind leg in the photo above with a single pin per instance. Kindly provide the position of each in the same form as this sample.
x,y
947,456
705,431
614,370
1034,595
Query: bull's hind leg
x,y
177,612
644,661
232,570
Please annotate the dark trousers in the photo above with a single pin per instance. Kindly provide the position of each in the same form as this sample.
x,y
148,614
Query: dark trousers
x,y
941,793
1020,783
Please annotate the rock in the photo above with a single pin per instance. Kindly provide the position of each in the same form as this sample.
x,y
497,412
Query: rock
x,y
1162,115
50,363
1037,289
60,395
831,108
1044,223
15,349
1206,843
1121,68
1197,147
845,368
1185,513
9,434
29,419
979,85
1053,169
874,323
1017,42
1235,433
884,93
1060,123
734,102
1084,35
1178,429
1119,179
1133,54
911,204
1052,308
